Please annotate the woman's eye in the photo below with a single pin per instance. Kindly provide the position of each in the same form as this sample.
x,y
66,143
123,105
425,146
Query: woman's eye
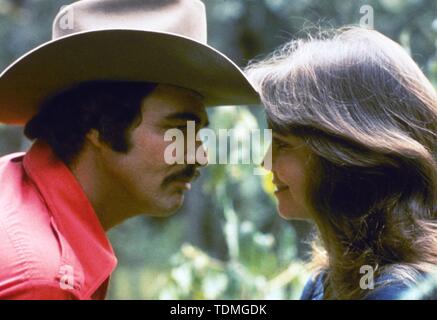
x,y
279,145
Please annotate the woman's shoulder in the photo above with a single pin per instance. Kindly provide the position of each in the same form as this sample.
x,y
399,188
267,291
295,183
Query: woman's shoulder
x,y
314,288
395,286
387,286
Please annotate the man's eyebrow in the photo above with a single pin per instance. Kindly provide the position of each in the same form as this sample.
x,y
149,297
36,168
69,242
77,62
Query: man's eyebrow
x,y
186,116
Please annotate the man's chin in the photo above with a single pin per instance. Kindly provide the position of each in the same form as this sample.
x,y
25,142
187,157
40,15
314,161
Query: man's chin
x,y
170,208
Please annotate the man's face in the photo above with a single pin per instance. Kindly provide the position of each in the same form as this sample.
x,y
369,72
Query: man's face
x,y
149,183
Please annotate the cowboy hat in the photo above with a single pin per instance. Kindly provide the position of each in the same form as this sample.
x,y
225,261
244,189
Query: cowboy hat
x,y
161,41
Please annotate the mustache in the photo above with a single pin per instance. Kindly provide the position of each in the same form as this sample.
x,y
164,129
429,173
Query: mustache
x,y
190,172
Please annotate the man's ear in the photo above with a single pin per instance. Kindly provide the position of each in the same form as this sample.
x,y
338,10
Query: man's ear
x,y
93,137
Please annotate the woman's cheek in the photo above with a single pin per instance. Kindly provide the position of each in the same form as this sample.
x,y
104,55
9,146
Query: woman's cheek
x,y
290,171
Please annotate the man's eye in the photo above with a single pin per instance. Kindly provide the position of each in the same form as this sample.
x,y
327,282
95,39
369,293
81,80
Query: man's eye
x,y
181,127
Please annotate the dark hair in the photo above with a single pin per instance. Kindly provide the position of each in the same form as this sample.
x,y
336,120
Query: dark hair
x,y
110,107
369,115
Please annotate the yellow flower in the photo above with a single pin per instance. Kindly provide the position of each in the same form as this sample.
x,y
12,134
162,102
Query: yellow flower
x,y
267,183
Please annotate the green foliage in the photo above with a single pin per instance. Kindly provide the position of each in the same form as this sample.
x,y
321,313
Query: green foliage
x,y
259,265
227,241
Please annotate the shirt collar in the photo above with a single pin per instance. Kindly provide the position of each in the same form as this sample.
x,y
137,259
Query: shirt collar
x,y
73,213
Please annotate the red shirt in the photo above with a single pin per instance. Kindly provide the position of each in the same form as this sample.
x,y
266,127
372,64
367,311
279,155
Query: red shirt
x,y
52,245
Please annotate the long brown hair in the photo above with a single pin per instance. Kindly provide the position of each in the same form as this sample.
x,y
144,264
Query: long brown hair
x,y
369,115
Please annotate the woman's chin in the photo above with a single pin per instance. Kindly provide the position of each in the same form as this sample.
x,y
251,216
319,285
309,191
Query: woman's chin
x,y
288,213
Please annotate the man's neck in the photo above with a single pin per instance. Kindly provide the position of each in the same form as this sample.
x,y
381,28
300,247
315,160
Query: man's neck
x,y
111,206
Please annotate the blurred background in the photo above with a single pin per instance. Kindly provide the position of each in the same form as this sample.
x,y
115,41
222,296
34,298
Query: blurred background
x,y
227,242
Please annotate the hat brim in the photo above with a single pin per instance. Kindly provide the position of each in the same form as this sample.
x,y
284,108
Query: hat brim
x,y
128,55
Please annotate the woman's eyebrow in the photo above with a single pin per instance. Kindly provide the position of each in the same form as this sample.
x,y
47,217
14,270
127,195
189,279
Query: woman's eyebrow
x,y
292,143
279,137
187,116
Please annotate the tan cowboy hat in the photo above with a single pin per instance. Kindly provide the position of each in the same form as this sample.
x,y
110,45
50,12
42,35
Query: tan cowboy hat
x,y
161,41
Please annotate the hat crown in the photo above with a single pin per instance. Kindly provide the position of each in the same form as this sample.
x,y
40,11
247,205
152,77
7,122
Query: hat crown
x,y
181,17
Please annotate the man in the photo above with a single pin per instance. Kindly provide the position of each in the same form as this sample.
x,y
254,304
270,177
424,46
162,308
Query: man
x,y
98,99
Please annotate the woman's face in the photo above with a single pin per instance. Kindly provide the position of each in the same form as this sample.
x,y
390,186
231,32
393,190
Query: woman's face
x,y
290,158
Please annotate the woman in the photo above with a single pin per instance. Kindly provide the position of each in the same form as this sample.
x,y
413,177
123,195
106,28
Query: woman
x,y
354,146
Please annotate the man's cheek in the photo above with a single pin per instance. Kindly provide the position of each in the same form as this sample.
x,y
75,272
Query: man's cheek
x,y
170,154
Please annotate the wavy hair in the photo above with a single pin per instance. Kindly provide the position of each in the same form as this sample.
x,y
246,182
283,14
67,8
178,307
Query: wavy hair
x,y
369,115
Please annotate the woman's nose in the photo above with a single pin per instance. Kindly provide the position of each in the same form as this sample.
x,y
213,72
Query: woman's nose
x,y
267,160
